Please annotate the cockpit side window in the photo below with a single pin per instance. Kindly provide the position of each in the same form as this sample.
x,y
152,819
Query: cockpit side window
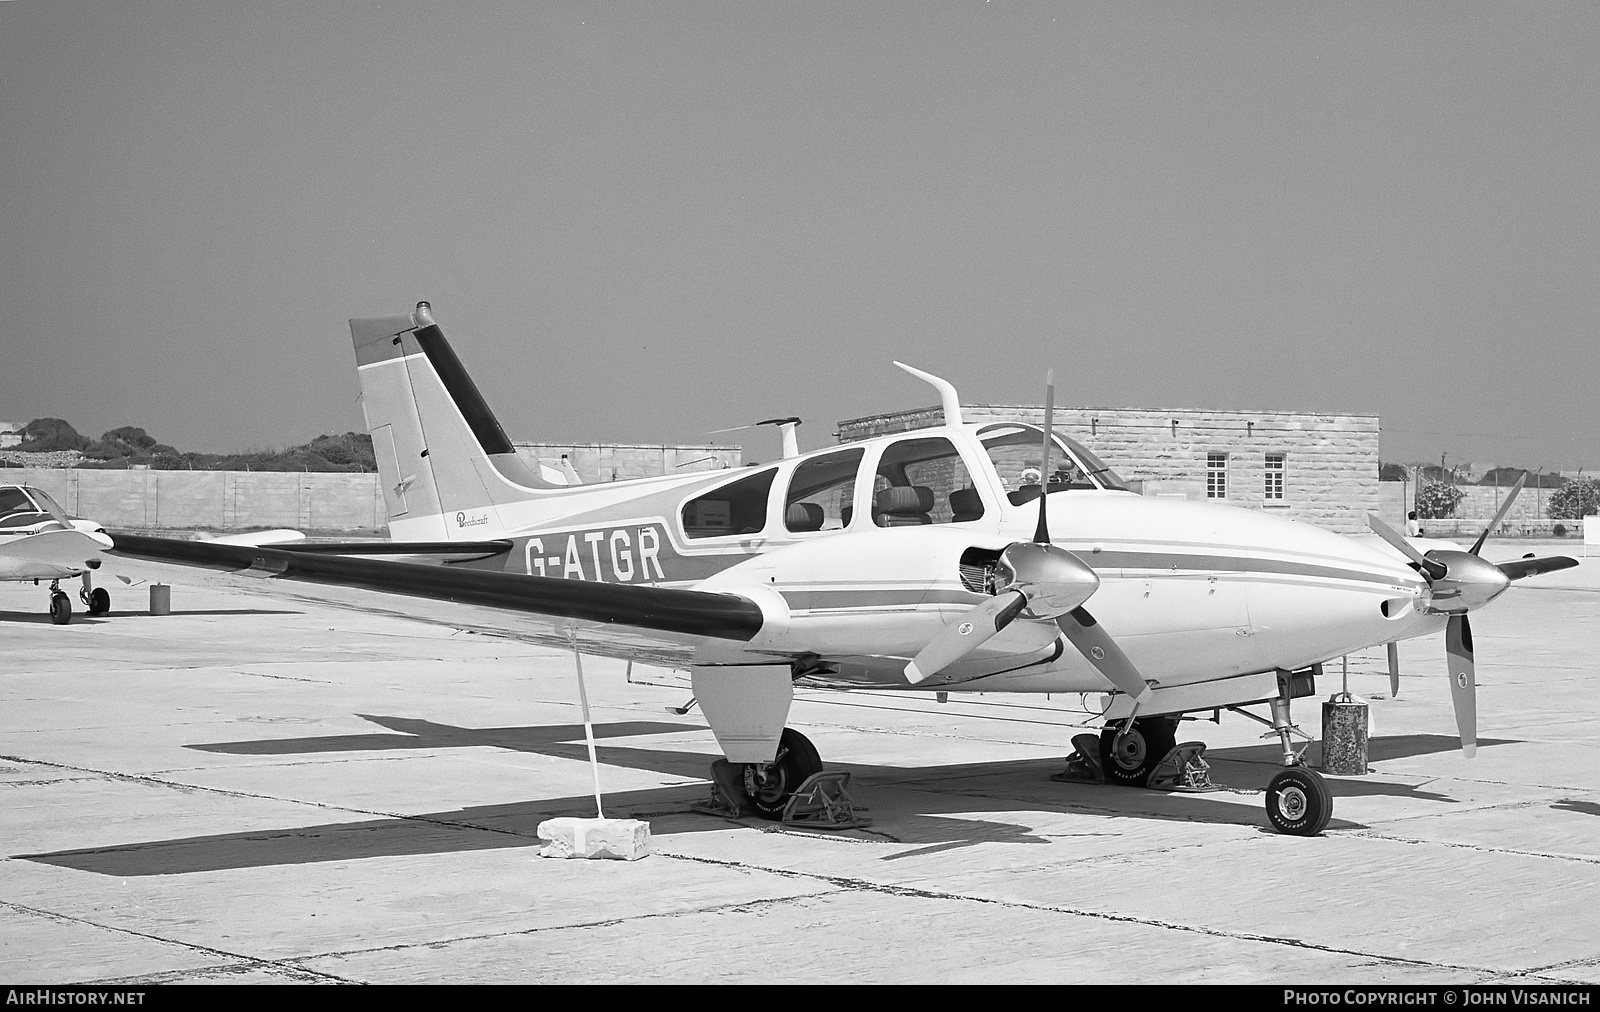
x,y
923,481
820,492
14,500
739,507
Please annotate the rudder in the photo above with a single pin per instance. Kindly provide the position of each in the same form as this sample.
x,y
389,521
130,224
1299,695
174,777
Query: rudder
x,y
444,460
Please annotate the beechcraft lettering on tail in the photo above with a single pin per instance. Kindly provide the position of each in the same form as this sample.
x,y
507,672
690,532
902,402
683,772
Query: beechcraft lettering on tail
x,y
993,557
611,555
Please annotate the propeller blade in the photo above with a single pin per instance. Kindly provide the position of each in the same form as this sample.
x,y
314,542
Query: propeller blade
x,y
1041,533
960,638
1428,566
1520,568
1500,514
1095,644
1463,681
1394,669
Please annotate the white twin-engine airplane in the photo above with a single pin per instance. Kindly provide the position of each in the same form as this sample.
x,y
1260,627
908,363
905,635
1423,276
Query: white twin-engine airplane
x,y
38,541
909,561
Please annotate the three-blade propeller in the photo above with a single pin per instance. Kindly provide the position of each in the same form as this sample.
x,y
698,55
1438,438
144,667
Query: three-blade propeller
x,y
1459,582
1039,580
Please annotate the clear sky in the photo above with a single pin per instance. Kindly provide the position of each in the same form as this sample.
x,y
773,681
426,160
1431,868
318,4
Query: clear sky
x,y
643,221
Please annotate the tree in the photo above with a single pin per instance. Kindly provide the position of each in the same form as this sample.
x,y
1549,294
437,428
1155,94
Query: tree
x,y
1393,472
1574,500
44,435
1437,500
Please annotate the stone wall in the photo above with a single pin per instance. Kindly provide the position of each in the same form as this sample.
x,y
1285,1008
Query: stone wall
x,y
1526,518
600,462
1330,461
139,498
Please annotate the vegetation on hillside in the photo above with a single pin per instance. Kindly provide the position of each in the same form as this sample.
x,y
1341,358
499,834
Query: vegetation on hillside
x,y
129,446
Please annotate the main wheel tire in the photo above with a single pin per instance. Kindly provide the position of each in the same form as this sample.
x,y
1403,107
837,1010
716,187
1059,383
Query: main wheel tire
x,y
1140,751
60,608
99,601
797,761
1298,802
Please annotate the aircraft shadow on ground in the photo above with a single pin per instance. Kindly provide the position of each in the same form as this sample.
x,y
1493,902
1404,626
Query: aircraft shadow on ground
x,y
940,815
43,617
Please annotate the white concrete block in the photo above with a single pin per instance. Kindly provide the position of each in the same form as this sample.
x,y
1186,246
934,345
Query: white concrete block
x,y
617,839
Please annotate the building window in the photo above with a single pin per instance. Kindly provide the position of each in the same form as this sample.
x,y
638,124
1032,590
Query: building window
x,y
1274,485
1216,476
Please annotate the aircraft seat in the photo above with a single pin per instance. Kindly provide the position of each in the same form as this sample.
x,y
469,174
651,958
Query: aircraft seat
x,y
903,506
803,516
965,504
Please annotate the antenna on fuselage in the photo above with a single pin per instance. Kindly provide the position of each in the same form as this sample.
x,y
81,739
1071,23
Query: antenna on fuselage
x,y
947,393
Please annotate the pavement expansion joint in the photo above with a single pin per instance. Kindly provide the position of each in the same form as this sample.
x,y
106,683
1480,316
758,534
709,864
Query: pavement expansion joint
x,y
1476,847
231,957
866,885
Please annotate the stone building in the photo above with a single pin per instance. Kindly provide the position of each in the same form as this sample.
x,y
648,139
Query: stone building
x,y
1319,468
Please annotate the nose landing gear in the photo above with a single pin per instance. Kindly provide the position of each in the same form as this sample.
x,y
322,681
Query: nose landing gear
x,y
60,604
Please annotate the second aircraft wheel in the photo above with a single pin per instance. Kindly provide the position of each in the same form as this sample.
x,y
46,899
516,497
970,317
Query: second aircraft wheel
x,y
60,608
1140,751
99,601
797,760
1298,802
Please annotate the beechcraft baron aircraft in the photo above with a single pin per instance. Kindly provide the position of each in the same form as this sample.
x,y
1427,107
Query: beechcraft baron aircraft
x,y
910,561
40,542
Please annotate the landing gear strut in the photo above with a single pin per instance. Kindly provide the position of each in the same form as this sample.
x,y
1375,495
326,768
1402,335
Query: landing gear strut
x,y
96,599
1298,800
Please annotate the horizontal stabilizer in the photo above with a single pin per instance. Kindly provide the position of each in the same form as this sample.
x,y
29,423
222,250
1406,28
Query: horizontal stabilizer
x,y
281,536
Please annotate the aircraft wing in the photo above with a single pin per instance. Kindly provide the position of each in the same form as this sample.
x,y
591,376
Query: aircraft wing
x,y
70,548
437,551
685,613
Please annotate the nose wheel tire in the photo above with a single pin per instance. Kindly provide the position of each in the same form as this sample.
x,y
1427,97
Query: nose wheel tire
x,y
60,608
1298,802
1131,759
769,788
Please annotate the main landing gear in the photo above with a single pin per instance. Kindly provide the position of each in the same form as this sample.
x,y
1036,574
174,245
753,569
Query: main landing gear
x,y
96,599
792,789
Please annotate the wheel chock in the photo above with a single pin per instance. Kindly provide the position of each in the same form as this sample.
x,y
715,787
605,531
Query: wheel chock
x,y
727,799
1184,769
1083,765
822,802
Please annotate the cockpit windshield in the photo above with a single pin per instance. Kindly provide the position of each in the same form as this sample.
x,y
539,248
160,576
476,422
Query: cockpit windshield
x,y
46,503
1016,451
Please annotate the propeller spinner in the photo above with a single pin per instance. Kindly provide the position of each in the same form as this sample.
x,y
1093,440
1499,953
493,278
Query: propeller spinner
x,y
1040,581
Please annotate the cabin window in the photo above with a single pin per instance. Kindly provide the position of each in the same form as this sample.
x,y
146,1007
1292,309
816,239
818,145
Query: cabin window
x,y
923,481
1216,476
14,500
821,491
739,507
1274,482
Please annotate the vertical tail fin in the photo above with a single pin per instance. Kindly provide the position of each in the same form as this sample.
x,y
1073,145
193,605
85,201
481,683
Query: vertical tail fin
x,y
445,463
